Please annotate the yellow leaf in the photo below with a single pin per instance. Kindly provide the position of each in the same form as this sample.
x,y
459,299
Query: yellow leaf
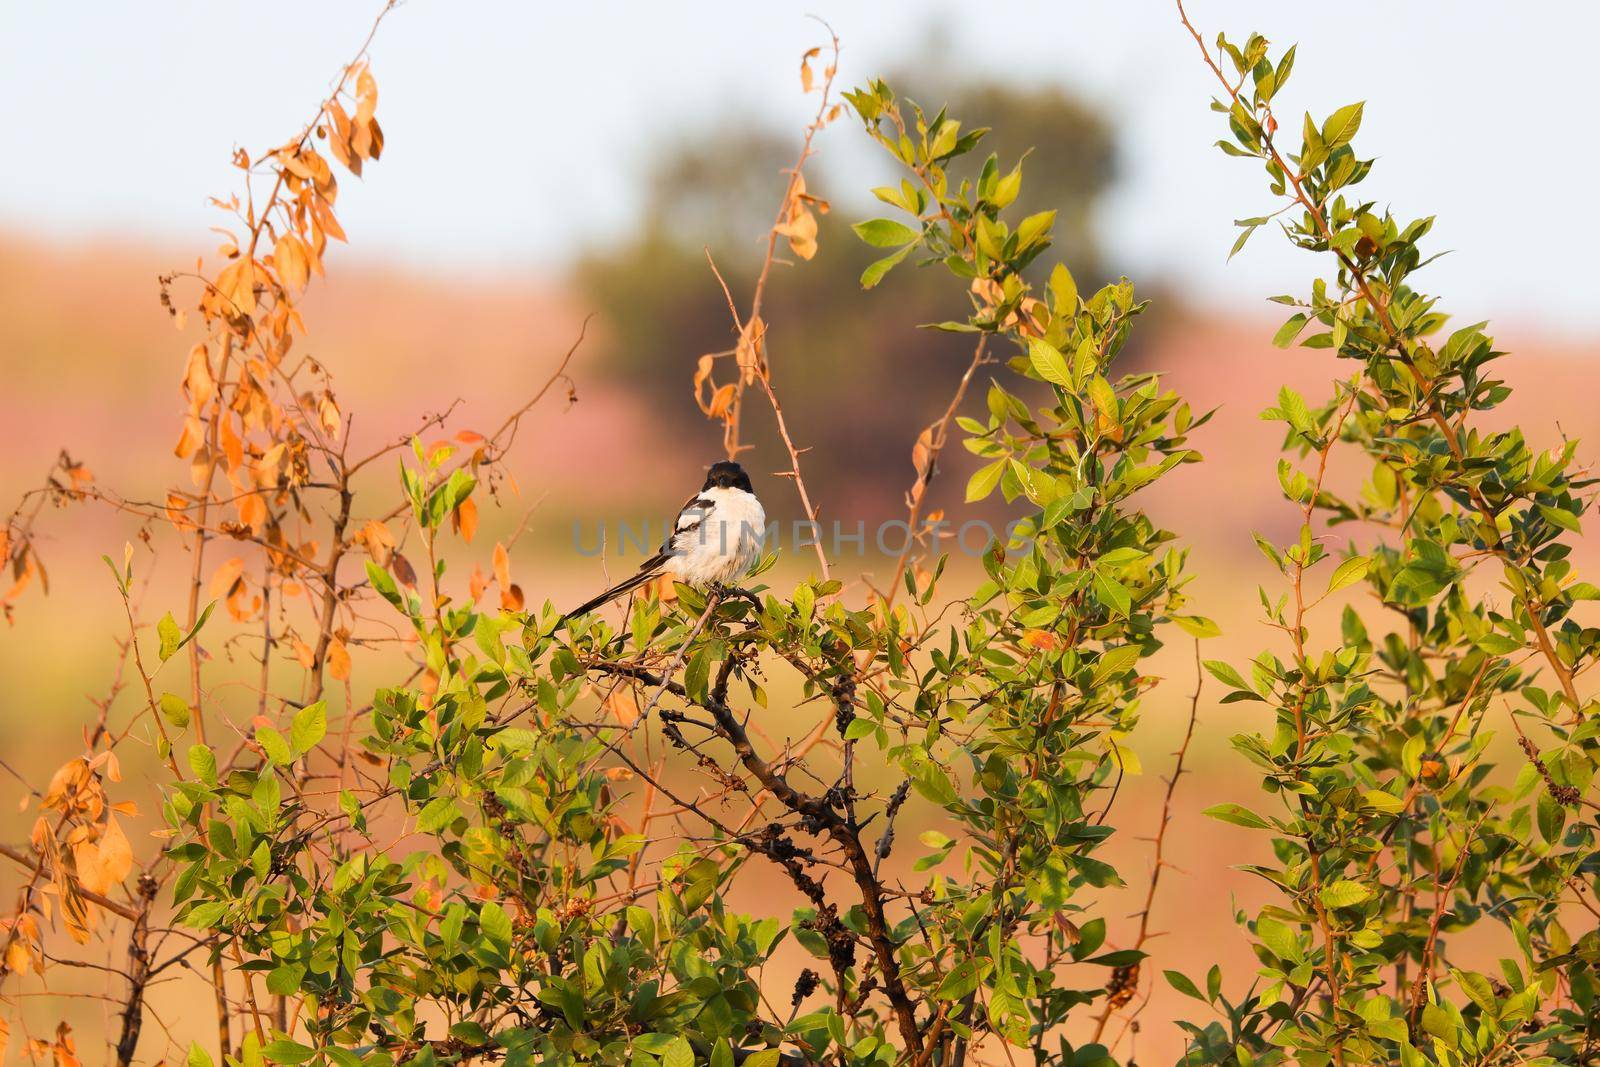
x,y
294,266
622,705
338,660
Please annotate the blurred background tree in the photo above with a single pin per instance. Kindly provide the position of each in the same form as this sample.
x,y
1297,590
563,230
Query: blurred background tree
x,y
661,308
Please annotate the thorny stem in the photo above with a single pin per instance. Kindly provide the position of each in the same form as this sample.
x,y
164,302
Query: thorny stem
x,y
752,330
927,467
1158,863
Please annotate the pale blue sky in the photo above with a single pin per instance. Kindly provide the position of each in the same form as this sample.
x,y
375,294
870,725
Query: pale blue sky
x,y
119,118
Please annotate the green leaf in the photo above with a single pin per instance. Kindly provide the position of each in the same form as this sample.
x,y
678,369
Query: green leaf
x,y
1560,517
885,233
310,726
679,1054
1278,939
175,710
384,584
199,1057
1050,364
204,764
1063,290
1293,409
698,674
1344,893
859,727
1349,572
876,270
1342,125
1437,1021
273,744
171,636
1227,675
1289,330
495,924
437,814
1113,593
932,782
285,1051
1237,814
983,482
1478,988
1034,227
1181,982
1197,626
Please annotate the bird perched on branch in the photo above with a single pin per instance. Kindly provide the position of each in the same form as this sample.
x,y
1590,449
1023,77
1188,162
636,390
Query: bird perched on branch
x,y
715,540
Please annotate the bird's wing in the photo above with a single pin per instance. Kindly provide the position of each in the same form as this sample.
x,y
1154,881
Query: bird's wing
x,y
690,518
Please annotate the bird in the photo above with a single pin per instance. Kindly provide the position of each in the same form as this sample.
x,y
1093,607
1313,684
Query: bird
x,y
715,540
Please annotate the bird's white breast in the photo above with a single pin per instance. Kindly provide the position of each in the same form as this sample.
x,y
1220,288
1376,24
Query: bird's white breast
x,y
726,542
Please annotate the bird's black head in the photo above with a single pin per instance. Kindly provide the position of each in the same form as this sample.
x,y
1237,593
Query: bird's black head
x,y
727,475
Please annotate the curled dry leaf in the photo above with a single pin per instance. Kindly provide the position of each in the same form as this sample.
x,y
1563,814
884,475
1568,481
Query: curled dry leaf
x,y
922,453
378,541
750,353
402,570
807,78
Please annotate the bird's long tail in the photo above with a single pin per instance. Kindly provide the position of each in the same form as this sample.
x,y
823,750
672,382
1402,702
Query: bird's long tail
x,y
647,573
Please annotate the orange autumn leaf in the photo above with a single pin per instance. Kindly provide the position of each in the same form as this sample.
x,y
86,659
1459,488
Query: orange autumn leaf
x,y
198,381
623,707
1041,639
801,230
465,519
193,434
338,660
177,512
328,415
502,565
237,287
748,351
294,264
232,447
721,405
376,538
922,453
223,580
807,79
304,653
252,510
116,854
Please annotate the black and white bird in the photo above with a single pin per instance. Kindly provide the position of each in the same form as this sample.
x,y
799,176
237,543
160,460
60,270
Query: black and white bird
x,y
715,540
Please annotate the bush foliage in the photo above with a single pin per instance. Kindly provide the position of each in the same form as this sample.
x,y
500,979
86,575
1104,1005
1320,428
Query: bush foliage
x,y
529,846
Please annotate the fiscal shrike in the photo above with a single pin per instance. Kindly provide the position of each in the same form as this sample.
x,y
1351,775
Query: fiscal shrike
x,y
716,539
